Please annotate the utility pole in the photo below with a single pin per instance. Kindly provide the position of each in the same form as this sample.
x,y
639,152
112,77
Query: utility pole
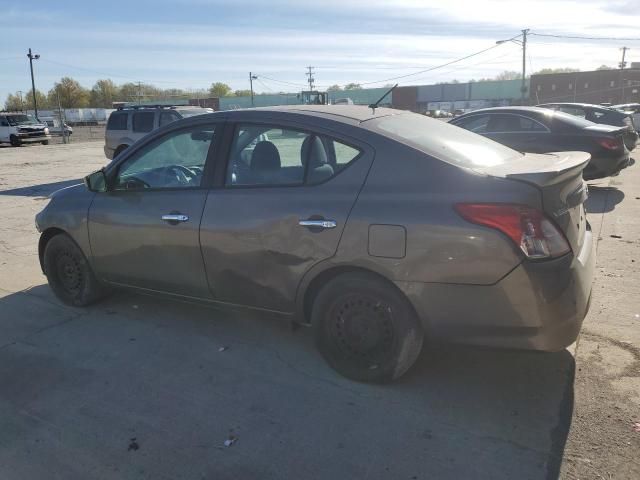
x,y
252,77
33,57
311,79
21,104
63,131
623,64
523,88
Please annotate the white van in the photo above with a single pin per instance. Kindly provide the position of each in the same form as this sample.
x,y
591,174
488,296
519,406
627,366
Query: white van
x,y
18,128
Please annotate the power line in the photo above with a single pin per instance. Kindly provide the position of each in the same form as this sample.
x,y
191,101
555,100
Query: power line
x,y
134,80
405,75
441,66
281,81
578,37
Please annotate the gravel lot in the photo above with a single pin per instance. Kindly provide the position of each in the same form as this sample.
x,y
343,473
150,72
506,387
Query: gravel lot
x,y
142,387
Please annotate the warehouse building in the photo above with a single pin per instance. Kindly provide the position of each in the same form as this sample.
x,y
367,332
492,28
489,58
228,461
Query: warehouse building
x,y
597,86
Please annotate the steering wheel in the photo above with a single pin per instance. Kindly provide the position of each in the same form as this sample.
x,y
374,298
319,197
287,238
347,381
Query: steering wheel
x,y
182,174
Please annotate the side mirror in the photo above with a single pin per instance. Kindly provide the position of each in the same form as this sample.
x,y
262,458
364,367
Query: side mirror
x,y
96,181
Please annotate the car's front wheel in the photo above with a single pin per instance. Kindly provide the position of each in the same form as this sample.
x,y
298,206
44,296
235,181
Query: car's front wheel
x,y
69,274
15,141
365,328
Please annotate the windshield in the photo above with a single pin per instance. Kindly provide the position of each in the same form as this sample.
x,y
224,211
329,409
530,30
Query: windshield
x,y
192,112
446,142
21,120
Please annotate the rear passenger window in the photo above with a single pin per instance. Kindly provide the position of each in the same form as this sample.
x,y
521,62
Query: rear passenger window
x,y
475,123
168,117
117,121
143,121
278,156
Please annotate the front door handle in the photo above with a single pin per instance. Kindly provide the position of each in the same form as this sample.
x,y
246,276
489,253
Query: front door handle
x,y
318,223
175,218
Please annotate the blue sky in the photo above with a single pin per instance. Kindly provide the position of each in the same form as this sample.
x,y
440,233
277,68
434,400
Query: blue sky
x,y
192,43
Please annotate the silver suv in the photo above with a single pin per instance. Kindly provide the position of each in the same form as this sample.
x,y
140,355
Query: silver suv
x,y
127,125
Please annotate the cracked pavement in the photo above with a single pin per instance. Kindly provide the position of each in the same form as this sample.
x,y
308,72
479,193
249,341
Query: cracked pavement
x,y
79,385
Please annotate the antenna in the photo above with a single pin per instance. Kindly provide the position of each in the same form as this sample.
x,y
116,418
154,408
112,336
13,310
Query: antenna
x,y
374,105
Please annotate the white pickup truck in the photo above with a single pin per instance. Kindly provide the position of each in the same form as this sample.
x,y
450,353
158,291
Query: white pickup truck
x,y
19,128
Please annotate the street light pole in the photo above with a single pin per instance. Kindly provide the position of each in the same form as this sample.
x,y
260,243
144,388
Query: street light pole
x,y
523,88
523,43
252,77
33,57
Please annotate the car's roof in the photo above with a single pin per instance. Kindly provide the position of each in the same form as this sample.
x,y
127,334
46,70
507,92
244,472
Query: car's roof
x,y
590,106
515,109
339,113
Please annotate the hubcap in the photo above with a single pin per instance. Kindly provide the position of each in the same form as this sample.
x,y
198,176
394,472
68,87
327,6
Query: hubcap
x,y
363,329
69,272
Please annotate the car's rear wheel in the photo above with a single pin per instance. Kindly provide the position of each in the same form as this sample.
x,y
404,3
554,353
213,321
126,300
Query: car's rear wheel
x,y
45,142
15,141
69,274
366,329
119,150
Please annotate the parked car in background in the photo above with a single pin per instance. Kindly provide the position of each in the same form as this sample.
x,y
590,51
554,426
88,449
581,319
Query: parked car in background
x,y
542,130
633,109
54,126
19,128
374,227
129,124
599,114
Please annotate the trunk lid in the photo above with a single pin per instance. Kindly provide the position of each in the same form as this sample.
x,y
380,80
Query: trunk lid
x,y
558,176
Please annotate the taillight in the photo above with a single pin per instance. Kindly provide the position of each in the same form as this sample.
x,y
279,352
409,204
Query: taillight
x,y
609,143
527,227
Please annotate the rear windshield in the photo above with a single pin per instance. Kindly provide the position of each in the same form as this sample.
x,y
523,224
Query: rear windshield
x,y
192,112
446,142
578,122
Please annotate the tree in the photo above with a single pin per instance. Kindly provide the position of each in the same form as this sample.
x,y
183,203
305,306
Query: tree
x,y
547,71
70,92
129,92
508,75
242,93
334,88
14,102
353,86
41,98
219,89
604,67
103,94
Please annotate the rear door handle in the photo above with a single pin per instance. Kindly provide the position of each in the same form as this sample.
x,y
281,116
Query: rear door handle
x,y
318,223
175,218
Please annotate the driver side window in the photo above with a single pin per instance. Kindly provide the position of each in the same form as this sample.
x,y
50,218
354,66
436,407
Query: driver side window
x,y
175,160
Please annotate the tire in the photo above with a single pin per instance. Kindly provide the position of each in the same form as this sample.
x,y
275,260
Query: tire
x,y
366,329
15,141
119,150
46,142
69,274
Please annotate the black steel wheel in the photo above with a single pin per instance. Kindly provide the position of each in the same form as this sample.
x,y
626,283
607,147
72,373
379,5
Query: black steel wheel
x,y
15,141
69,274
365,328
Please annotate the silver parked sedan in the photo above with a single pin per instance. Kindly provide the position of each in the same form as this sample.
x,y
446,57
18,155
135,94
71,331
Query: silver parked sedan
x,y
377,228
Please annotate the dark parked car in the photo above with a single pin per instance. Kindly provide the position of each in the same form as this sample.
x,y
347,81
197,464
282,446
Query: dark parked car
x,y
603,115
374,228
541,130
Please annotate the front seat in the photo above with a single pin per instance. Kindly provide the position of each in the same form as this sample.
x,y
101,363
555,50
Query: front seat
x,y
314,157
265,163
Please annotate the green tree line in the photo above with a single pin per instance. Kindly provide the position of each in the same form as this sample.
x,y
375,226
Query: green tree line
x,y
71,94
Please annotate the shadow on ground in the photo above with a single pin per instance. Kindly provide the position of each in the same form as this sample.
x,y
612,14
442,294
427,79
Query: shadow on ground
x,y
41,190
603,199
81,386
